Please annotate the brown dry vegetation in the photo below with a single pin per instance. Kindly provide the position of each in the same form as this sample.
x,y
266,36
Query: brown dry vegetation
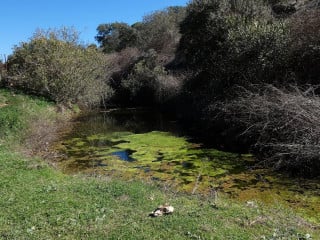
x,y
284,124
43,132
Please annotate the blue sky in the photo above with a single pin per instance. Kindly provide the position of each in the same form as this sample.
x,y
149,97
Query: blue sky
x,y
21,18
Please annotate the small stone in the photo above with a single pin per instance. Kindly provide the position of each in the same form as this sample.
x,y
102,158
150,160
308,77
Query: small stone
x,y
161,210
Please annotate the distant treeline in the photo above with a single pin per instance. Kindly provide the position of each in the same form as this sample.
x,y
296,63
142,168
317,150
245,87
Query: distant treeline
x,y
245,72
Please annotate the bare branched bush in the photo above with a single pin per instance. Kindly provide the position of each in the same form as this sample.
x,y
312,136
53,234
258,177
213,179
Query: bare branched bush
x,y
285,124
168,87
120,61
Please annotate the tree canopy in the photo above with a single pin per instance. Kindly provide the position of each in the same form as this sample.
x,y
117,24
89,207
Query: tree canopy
x,y
158,31
116,36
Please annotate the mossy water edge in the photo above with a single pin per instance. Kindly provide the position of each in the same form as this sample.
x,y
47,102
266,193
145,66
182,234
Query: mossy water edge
x,y
173,161
39,202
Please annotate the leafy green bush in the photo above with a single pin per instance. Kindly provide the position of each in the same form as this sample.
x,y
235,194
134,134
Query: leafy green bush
x,y
142,80
53,65
228,43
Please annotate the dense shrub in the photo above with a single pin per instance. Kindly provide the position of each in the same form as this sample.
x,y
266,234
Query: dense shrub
x,y
160,30
53,65
305,46
139,55
2,73
149,83
232,42
119,66
244,60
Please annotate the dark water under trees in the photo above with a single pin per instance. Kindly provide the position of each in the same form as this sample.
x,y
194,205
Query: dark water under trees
x,y
147,145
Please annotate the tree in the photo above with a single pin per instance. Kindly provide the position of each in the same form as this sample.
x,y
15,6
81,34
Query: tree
x,y
116,36
54,65
139,54
160,30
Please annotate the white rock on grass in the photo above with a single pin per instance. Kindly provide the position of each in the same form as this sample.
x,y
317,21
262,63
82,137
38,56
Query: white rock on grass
x,y
162,210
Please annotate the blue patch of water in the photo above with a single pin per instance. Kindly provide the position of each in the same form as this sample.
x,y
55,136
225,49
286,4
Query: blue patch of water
x,y
124,155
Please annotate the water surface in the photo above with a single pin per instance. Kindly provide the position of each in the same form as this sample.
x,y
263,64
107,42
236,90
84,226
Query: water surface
x,y
145,144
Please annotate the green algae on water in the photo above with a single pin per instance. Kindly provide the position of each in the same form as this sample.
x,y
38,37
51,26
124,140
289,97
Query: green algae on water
x,y
174,161
156,155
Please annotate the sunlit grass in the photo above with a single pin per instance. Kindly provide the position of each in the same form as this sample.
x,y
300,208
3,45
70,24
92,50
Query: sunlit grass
x,y
38,202
41,203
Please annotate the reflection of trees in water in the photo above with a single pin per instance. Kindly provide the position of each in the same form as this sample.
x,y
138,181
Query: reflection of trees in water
x,y
137,121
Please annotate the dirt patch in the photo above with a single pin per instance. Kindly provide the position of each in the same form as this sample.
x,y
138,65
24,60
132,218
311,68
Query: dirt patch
x,y
43,132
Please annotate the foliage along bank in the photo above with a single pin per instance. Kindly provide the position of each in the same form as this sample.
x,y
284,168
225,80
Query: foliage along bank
x,y
230,68
237,68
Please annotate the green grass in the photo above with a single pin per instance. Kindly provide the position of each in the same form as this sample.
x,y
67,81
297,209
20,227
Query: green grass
x,y
16,112
39,202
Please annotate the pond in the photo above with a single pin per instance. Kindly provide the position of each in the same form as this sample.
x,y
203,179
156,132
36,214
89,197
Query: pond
x,y
145,144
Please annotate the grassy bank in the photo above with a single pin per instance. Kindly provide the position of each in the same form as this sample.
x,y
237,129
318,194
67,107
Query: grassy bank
x,y
39,202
